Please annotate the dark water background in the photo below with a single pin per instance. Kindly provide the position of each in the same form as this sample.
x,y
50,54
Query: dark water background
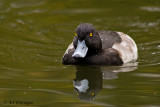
x,y
34,35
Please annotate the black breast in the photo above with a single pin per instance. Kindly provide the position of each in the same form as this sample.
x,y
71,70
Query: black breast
x,y
108,38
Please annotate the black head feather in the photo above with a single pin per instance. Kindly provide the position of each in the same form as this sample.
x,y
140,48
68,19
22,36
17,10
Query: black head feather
x,y
84,29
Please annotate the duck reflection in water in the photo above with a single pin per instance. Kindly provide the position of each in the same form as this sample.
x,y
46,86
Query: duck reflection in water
x,y
89,80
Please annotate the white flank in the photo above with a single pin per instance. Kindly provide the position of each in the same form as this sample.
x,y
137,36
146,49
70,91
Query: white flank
x,y
69,47
127,48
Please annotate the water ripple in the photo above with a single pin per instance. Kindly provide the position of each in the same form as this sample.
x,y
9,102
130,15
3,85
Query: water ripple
x,y
151,43
149,53
150,75
144,24
78,11
150,9
26,3
4,10
31,12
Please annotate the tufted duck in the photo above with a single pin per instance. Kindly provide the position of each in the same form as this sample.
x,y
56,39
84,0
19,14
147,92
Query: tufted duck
x,y
91,47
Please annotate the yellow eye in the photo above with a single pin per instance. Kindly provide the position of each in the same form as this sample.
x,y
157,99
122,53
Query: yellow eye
x,y
75,34
90,35
92,94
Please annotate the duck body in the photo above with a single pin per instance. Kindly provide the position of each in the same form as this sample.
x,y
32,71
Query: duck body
x,y
91,47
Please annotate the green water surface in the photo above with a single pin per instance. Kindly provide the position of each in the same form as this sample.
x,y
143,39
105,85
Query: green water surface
x,y
34,35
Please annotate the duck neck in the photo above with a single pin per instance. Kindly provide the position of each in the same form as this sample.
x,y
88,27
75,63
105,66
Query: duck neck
x,y
94,52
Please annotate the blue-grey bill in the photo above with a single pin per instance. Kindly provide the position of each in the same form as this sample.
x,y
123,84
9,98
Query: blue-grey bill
x,y
81,50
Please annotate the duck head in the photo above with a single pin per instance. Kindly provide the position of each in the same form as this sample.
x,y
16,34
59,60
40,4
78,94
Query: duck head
x,y
86,41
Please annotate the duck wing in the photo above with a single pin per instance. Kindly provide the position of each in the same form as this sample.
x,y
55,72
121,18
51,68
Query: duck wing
x,y
108,38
